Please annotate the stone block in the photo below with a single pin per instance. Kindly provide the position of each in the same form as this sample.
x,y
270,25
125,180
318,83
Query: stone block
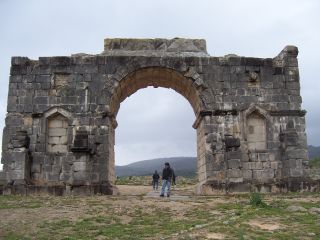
x,y
66,167
63,140
56,123
18,70
216,175
57,132
247,174
275,165
53,140
80,176
56,169
293,85
15,61
16,78
19,166
12,104
95,177
295,163
231,142
266,165
53,177
234,173
44,61
43,78
296,172
296,154
235,180
40,108
60,60
263,174
252,165
234,154
65,177
263,157
79,166
47,168
59,148
234,163
18,143
45,85
39,147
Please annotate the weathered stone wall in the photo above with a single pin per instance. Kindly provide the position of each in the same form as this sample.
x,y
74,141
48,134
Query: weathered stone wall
x,y
61,121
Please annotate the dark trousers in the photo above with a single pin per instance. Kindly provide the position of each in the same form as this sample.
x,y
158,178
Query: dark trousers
x,y
155,184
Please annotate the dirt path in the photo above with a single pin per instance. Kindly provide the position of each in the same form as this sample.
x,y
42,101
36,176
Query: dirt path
x,y
177,193
130,190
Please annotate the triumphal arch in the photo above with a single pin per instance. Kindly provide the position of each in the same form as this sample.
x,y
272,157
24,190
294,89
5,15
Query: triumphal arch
x,y
60,127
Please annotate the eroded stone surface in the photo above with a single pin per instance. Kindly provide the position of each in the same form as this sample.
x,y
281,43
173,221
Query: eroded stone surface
x,y
61,120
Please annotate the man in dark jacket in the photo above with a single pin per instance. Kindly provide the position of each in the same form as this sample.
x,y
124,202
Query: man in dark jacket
x,y
155,180
167,175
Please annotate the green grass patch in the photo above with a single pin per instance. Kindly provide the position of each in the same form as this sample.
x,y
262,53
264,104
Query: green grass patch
x,y
10,202
143,225
315,162
256,200
117,217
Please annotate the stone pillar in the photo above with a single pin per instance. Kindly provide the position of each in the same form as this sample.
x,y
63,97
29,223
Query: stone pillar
x,y
294,159
211,153
17,164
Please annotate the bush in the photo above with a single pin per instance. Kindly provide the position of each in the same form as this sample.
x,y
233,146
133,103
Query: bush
x,y
256,200
315,162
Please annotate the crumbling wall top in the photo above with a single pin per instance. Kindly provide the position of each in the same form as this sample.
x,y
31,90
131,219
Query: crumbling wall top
x,y
176,45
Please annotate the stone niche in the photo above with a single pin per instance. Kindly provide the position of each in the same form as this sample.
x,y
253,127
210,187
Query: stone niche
x,y
256,132
59,132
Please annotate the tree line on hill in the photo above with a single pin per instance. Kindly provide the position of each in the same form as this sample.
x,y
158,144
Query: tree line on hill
x,y
183,166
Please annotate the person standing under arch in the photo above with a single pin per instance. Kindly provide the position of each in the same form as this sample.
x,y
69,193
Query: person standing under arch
x,y
167,176
155,180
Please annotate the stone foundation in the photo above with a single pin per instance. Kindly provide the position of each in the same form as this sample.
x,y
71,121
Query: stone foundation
x,y
283,186
62,190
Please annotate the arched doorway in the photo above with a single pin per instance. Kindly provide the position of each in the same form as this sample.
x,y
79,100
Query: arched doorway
x,y
154,127
156,77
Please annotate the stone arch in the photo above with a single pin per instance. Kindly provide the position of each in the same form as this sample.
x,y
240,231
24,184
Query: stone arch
x,y
256,120
55,110
187,86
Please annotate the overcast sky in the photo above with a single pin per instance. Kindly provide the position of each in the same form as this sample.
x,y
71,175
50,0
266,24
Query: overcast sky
x,y
157,122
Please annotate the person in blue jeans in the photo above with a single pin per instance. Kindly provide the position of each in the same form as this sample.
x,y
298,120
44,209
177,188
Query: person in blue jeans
x,y
167,175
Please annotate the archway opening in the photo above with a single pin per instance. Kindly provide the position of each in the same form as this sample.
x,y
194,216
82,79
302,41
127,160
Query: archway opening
x,y
155,123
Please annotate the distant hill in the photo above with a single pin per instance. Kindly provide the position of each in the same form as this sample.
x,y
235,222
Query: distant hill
x,y
183,166
314,151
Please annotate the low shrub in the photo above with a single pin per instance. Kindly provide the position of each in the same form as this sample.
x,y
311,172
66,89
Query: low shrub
x,y
256,200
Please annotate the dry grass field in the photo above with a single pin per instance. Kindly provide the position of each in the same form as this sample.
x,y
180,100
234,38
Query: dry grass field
x,y
139,213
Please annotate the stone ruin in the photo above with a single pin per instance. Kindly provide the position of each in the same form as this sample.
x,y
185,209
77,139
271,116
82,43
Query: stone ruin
x,y
59,131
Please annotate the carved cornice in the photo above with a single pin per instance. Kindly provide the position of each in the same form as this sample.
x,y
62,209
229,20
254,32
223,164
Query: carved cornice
x,y
234,112
299,113
218,112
